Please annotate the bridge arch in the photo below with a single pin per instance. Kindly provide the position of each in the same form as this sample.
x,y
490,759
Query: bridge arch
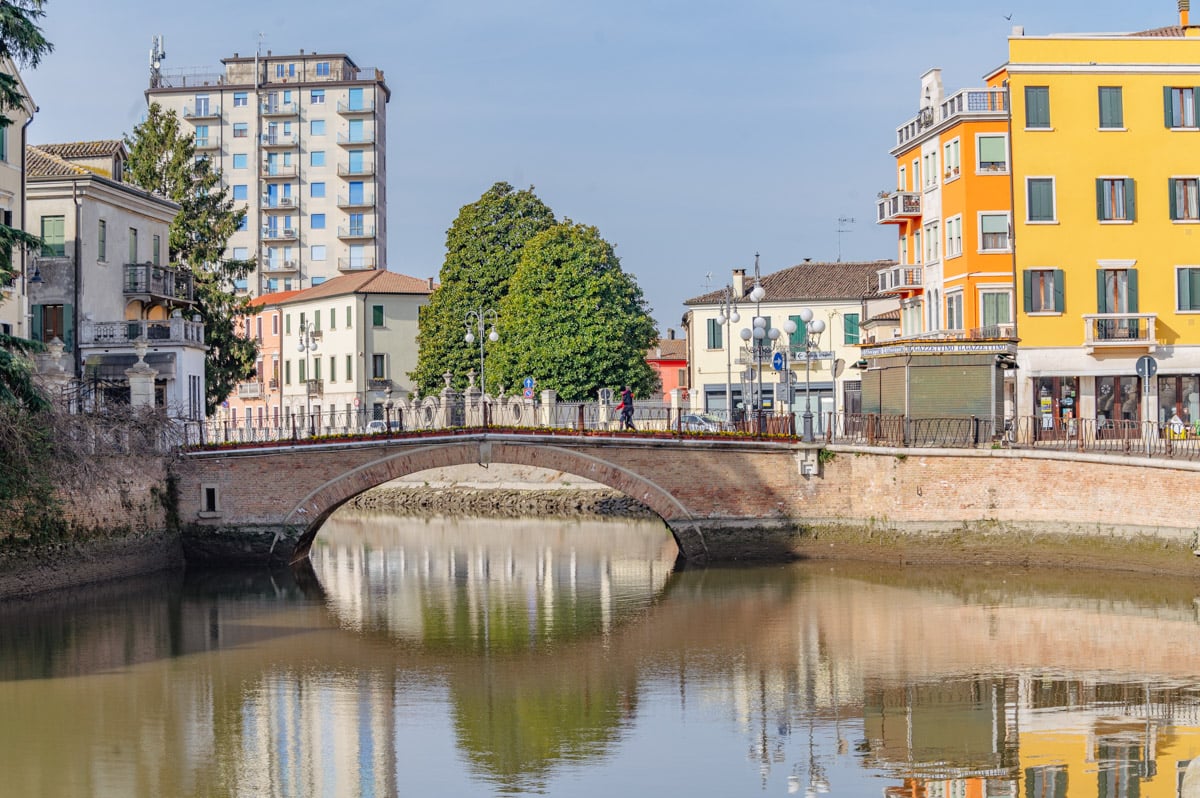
x,y
311,511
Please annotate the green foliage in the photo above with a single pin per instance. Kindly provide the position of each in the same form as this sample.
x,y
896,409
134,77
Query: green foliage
x,y
22,42
17,388
28,508
162,159
483,248
825,456
573,320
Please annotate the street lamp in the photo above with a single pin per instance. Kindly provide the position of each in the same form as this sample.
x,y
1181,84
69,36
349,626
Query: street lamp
x,y
307,345
726,318
478,320
758,332
812,337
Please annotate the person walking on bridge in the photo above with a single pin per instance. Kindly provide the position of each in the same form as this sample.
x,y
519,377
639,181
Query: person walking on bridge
x,y
626,408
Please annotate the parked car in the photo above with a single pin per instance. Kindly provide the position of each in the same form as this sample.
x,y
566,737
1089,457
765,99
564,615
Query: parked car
x,y
379,425
700,422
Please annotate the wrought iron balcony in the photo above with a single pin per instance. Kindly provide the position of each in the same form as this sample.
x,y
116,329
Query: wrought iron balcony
x,y
1117,330
899,278
279,140
897,206
278,203
278,171
315,387
280,109
250,390
281,266
158,283
278,234
379,384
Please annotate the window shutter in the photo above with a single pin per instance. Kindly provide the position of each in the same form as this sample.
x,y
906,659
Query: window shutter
x,y
1132,291
714,334
1027,290
1183,284
1171,200
1099,199
1167,118
69,327
797,338
852,334
1101,294
1130,200
1059,290
36,332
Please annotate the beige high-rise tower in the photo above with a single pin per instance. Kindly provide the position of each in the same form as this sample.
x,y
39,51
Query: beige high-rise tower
x,y
300,141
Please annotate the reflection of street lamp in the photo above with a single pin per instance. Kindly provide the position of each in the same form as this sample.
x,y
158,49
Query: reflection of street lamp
x,y
307,344
812,337
478,320
729,316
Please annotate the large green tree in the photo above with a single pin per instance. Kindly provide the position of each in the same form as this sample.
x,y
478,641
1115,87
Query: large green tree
x,y
483,247
162,159
573,320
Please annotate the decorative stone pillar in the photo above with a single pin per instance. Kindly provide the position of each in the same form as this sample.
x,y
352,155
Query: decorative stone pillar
x,y
448,401
141,379
53,377
605,407
546,411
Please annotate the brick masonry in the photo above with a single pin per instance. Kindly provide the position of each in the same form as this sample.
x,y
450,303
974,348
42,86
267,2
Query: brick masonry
x,y
723,500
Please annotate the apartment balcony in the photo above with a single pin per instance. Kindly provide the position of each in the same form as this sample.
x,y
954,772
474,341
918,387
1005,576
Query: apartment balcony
x,y
899,278
278,234
357,231
895,207
201,112
279,172
158,283
164,331
348,140
1119,331
379,384
365,200
315,387
278,204
964,104
355,264
250,390
280,140
281,267
279,109
362,107
360,170
207,143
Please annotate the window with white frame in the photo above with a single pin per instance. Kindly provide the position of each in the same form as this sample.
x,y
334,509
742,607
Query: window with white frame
x,y
904,178
1040,199
953,236
1043,290
903,250
950,159
930,169
931,236
993,232
995,307
1179,107
1182,196
1116,199
916,174
954,311
1187,282
916,246
992,151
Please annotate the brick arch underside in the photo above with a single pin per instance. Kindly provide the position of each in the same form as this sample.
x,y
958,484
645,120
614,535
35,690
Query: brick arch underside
x,y
322,502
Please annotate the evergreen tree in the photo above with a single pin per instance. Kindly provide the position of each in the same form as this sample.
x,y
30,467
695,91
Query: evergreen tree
x,y
162,159
483,247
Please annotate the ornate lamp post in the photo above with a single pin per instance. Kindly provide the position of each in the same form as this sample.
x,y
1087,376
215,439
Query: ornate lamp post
x,y
812,338
726,318
758,332
477,321
307,345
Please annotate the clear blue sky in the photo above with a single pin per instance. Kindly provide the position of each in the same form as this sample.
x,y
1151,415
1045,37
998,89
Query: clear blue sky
x,y
692,133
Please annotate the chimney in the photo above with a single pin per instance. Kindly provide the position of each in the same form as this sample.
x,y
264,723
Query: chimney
x,y
1183,14
430,283
670,333
739,283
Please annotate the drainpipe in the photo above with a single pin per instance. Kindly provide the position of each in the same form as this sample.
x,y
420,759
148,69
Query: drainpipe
x,y
1012,246
27,314
75,313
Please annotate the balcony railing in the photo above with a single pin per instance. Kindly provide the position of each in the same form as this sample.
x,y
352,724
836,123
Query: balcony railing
x,y
965,103
205,143
357,231
278,203
361,201
379,384
279,109
1115,330
898,205
365,137
202,112
358,170
281,266
316,387
250,390
361,107
158,282
279,140
165,331
355,264
278,234
899,278
278,171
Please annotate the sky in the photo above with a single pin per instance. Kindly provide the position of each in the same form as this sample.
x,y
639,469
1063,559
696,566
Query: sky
x,y
693,134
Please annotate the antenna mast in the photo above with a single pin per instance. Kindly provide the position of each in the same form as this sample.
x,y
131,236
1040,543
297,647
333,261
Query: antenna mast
x,y
841,228
157,54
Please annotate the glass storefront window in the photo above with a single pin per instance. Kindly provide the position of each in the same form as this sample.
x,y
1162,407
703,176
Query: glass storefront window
x,y
1118,399
1056,400
1179,396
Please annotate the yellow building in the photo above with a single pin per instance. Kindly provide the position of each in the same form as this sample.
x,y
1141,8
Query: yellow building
x,y
1107,221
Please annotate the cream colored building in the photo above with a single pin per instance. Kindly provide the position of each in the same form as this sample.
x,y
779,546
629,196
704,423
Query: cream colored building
x,y
347,346
14,301
723,369
299,141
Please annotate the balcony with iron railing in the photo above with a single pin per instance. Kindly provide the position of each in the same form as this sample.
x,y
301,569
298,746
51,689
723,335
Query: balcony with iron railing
x,y
965,104
357,231
896,206
315,387
993,332
279,171
355,264
379,384
278,233
899,278
280,109
279,140
1119,330
356,170
281,266
164,331
352,139
250,390
278,203
207,143
158,283
347,108
364,200
202,112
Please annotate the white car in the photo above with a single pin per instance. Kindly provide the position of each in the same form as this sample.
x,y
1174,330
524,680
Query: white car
x,y
699,422
379,425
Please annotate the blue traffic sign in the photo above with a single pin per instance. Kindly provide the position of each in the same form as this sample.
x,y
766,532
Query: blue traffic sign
x,y
528,383
777,361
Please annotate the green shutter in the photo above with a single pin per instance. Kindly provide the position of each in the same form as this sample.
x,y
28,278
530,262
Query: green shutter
x,y
852,334
1183,282
1171,201
1037,106
1100,199
1101,294
1132,292
714,334
1060,278
69,327
1167,117
1027,289
1111,111
377,315
797,338
1130,200
36,333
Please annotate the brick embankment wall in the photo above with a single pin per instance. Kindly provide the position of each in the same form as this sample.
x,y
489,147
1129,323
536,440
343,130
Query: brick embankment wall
x,y
117,526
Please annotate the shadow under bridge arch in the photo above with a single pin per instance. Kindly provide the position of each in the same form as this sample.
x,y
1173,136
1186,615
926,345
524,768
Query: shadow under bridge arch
x,y
312,510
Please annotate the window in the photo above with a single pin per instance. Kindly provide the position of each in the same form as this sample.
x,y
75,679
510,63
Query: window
x,y
241,99
316,190
317,97
349,317
1187,280
954,237
316,320
241,161
995,308
1179,107
349,367
241,253
102,241
1037,107
930,169
715,337
53,321
903,250
993,232
332,369
1115,199
332,319
244,224
201,135
916,174
4,143
241,130
287,324
993,153
317,252
156,250
377,315
954,311
1040,194
1043,290
950,159
241,192
851,332
133,245
1182,196
916,246
317,127
378,367
932,238
317,221
323,69
1112,114
316,158
279,70
291,73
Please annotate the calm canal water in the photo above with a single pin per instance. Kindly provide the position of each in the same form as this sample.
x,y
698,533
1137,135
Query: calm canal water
x,y
427,657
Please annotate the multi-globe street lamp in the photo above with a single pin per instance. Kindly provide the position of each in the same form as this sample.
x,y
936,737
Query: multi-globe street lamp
x,y
477,321
757,332
307,345
727,317
812,338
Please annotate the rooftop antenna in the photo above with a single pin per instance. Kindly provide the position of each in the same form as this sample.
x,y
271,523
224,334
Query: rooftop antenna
x,y
707,282
841,228
157,54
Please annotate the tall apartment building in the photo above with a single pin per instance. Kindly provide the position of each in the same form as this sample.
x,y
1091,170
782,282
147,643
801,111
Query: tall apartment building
x,y
300,140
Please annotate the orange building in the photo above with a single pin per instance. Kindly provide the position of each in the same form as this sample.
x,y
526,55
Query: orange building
x,y
259,401
670,361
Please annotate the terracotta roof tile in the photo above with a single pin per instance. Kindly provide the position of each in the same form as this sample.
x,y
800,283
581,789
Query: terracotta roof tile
x,y
890,315
39,163
812,281
1169,32
275,298
86,149
669,349
370,281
